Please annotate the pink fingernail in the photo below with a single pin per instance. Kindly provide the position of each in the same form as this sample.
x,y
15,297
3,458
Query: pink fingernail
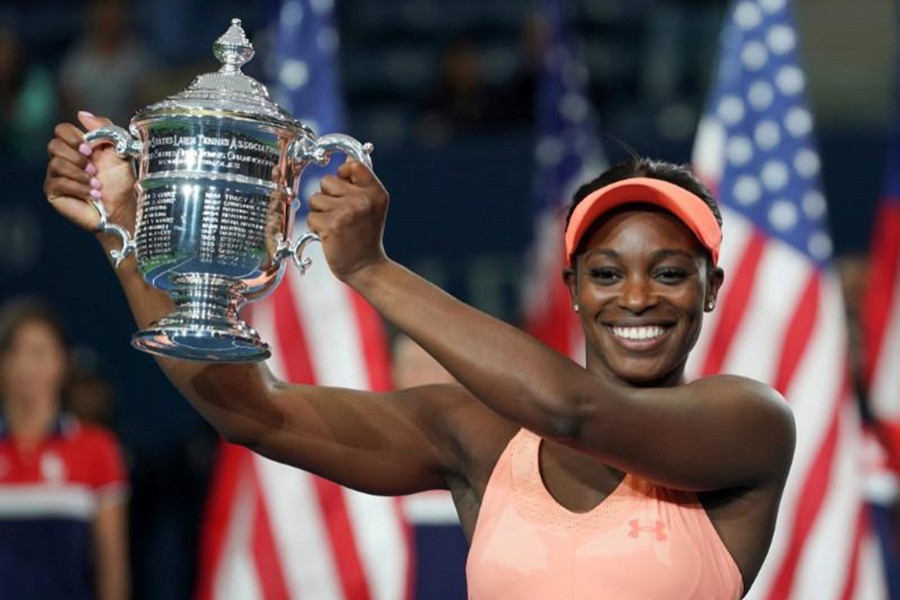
x,y
95,194
91,169
85,149
95,183
84,113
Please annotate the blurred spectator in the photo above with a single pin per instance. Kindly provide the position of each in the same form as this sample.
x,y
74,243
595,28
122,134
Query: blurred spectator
x,y
853,272
88,394
106,71
62,482
412,366
28,106
460,103
463,102
515,104
91,398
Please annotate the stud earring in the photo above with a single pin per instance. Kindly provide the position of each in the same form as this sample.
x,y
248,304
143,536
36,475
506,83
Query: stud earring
x,y
576,307
710,305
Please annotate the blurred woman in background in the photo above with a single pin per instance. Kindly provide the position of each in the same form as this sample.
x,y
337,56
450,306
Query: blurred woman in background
x,y
62,482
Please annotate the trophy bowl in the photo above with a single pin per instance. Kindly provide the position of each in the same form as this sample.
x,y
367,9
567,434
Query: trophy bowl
x,y
218,169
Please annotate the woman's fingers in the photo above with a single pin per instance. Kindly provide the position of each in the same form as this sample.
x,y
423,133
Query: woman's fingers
x,y
334,186
91,122
63,186
62,149
58,167
78,211
69,133
71,181
356,173
322,202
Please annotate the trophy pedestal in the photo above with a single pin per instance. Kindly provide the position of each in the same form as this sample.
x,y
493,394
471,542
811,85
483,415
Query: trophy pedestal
x,y
205,325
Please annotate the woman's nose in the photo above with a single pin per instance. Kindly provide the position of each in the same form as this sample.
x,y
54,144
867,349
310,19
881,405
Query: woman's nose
x,y
637,295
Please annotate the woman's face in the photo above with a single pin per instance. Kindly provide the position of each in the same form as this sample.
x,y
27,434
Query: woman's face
x,y
641,284
33,369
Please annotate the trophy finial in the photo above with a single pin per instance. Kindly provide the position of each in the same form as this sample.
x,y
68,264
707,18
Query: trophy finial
x,y
233,49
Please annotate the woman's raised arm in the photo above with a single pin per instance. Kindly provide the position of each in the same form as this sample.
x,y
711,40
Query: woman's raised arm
x,y
714,434
390,443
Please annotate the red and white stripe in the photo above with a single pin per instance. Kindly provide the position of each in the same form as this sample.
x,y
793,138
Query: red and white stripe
x,y
780,320
42,501
274,532
547,306
881,322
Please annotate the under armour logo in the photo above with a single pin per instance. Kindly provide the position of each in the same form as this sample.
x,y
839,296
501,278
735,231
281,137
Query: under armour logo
x,y
637,528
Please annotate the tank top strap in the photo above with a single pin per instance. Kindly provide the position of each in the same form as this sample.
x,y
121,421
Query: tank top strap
x,y
536,503
499,487
523,457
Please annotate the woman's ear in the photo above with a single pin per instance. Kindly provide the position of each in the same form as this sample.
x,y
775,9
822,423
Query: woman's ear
x,y
570,280
713,285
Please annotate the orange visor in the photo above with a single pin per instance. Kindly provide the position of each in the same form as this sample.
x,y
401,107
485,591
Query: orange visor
x,y
688,207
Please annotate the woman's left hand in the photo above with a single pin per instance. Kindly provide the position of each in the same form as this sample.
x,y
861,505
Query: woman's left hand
x,y
348,215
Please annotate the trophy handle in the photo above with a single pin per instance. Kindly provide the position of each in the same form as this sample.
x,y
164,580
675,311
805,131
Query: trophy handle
x,y
128,245
298,246
319,151
126,147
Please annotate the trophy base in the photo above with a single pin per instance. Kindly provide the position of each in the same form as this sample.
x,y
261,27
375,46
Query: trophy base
x,y
207,345
204,325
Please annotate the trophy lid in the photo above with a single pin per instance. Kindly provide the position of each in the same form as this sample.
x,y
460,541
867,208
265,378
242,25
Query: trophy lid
x,y
227,90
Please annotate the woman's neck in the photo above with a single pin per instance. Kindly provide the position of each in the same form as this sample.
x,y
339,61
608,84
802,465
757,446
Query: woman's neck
x,y
30,422
673,378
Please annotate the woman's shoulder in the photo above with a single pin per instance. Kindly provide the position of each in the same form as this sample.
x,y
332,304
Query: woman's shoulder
x,y
744,391
757,404
87,434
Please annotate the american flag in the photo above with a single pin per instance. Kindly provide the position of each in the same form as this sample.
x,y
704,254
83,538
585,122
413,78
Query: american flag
x,y
273,532
881,314
880,321
567,153
780,317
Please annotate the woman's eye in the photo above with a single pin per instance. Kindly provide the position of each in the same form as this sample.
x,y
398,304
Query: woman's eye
x,y
671,275
604,274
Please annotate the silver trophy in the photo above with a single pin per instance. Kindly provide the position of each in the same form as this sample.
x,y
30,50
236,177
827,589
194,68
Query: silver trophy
x,y
218,167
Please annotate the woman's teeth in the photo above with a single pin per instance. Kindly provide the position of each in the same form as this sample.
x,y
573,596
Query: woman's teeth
x,y
638,333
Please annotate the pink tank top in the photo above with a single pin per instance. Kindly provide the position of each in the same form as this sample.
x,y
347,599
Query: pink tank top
x,y
643,542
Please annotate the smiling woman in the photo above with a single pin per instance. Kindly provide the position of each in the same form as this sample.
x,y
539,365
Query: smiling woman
x,y
641,290
619,480
642,246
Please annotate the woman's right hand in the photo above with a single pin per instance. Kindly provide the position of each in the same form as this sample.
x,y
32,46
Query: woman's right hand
x,y
75,170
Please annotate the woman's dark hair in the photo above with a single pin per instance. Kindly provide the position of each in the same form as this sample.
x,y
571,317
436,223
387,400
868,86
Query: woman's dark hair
x,y
638,166
20,310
